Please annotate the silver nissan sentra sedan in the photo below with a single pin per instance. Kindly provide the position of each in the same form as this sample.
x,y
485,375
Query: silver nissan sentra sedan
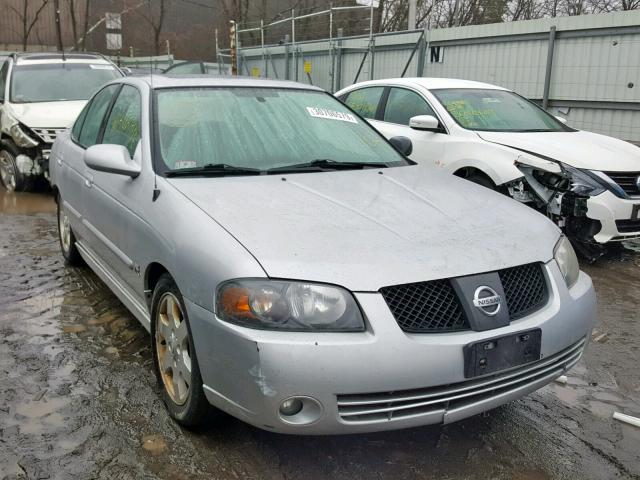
x,y
295,270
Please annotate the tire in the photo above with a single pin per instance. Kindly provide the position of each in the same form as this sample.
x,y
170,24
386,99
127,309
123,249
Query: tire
x,y
481,180
67,239
11,178
174,356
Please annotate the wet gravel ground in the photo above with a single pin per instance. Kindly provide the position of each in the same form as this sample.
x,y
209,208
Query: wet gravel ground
x,y
78,398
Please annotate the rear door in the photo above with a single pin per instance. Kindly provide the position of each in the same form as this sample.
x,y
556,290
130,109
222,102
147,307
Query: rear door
x,y
69,157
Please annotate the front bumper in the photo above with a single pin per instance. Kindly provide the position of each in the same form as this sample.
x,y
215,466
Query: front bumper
x,y
608,209
384,378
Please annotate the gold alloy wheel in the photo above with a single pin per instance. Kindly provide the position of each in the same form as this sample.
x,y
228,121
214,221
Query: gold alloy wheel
x,y
65,230
172,347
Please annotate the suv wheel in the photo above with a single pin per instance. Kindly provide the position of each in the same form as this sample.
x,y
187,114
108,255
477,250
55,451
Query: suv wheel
x,y
11,177
67,238
174,356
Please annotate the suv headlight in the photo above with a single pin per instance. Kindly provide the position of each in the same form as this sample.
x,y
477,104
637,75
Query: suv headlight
x,y
583,182
21,137
567,261
284,305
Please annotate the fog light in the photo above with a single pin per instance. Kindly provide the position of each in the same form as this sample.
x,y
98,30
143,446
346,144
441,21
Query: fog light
x,y
290,407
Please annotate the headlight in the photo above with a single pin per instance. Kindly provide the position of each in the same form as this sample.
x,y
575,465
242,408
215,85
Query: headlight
x,y
21,138
567,261
282,305
582,181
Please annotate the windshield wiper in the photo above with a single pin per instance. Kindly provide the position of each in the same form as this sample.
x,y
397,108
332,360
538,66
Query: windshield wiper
x,y
214,169
325,164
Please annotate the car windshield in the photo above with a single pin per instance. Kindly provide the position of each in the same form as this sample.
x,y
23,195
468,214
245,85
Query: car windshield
x,y
496,110
263,128
54,82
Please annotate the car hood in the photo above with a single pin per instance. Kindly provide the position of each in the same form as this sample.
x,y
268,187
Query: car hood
x,y
578,149
48,114
364,230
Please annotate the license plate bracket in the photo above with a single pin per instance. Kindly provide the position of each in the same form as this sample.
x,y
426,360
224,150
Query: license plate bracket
x,y
500,353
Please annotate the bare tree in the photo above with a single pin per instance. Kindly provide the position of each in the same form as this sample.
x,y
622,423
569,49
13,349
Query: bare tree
x,y
74,22
89,29
85,28
155,18
28,21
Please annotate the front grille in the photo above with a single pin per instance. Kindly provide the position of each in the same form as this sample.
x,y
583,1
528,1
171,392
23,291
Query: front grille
x,y
437,401
628,226
434,307
627,181
426,307
525,289
48,135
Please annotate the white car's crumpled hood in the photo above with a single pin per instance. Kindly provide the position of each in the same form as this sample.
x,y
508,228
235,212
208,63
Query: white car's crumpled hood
x,y
364,230
48,114
578,149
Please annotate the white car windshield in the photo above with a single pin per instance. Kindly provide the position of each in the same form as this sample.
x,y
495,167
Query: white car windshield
x,y
54,82
496,110
263,128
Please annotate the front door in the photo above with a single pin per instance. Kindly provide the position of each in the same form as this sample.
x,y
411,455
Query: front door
x,y
113,201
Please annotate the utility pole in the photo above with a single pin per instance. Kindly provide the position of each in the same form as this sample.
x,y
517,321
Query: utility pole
x,y
233,48
412,15
371,47
56,7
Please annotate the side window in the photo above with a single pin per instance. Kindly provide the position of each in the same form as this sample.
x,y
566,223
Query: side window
x,y
365,101
75,130
403,104
123,125
186,68
94,116
3,79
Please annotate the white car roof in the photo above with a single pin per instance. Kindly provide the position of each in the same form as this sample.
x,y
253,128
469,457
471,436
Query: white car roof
x,y
432,83
46,58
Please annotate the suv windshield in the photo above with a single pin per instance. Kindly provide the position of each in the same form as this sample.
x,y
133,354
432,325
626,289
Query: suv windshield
x,y
53,82
496,110
263,129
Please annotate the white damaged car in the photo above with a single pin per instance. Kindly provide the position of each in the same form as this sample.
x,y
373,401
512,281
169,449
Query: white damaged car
x,y
41,94
589,184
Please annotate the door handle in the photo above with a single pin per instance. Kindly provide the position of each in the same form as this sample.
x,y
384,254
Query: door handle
x,y
59,160
88,182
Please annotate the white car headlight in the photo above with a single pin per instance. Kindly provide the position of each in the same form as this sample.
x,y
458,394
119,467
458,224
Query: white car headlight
x,y
17,132
293,306
21,138
567,261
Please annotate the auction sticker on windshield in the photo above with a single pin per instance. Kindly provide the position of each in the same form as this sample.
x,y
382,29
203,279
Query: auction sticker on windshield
x,y
331,114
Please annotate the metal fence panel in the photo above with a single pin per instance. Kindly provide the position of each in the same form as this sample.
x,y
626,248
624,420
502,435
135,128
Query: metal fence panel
x,y
594,80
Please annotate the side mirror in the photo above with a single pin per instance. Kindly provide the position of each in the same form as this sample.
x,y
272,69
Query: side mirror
x,y
425,122
111,159
561,119
402,144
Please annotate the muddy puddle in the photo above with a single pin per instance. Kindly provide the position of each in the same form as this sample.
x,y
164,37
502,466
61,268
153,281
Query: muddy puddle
x,y
78,397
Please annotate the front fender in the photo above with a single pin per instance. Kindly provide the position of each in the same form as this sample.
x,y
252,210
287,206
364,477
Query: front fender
x,y
496,161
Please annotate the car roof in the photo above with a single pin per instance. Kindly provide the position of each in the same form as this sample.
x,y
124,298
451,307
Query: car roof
x,y
173,81
432,83
57,57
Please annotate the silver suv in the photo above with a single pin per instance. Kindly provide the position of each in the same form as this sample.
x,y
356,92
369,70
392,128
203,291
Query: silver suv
x,y
41,94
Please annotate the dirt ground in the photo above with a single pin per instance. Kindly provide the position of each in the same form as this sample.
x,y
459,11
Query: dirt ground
x,y
78,398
